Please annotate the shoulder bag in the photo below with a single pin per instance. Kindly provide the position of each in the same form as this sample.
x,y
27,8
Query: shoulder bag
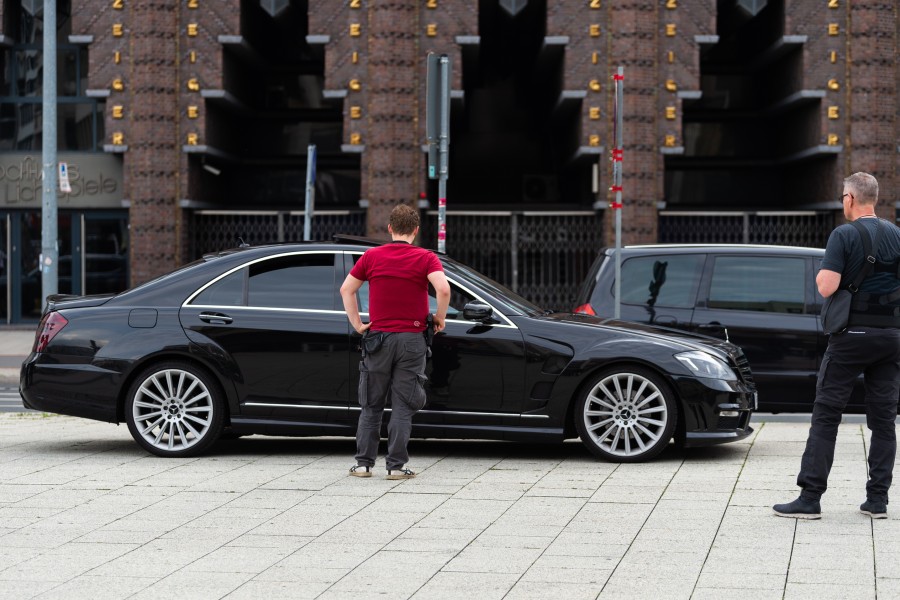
x,y
836,310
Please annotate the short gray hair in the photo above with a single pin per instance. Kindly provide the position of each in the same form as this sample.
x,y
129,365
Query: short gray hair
x,y
865,187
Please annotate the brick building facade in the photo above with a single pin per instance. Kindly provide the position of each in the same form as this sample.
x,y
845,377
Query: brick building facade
x,y
738,106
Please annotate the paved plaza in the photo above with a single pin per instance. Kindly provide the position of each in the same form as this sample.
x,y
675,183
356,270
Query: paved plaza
x,y
84,513
87,514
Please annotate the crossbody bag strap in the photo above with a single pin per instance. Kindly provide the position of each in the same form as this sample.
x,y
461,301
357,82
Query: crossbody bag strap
x,y
869,249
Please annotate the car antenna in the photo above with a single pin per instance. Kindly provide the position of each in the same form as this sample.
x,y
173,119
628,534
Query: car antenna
x,y
242,244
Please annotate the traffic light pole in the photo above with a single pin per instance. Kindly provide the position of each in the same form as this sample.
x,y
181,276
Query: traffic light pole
x,y
49,245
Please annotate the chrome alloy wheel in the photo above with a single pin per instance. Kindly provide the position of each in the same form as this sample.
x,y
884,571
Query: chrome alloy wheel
x,y
625,415
172,409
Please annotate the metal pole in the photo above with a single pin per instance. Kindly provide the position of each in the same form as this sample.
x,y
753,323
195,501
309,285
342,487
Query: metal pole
x,y
617,186
444,153
49,234
310,191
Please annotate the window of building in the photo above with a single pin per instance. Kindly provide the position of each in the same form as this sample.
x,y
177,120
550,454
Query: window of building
x,y
80,119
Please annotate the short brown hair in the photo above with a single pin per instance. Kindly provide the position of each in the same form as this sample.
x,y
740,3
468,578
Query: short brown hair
x,y
404,219
864,186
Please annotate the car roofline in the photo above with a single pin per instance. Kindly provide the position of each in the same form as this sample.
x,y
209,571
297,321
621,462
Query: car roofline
x,y
718,246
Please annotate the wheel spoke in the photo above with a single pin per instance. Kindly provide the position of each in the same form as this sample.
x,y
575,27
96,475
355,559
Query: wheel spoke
x,y
640,442
159,386
196,433
196,420
154,406
197,398
598,413
598,400
653,436
615,441
152,425
627,442
651,421
149,415
599,424
644,402
655,409
148,392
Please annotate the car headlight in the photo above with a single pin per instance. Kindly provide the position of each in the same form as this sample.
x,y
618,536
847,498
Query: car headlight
x,y
702,364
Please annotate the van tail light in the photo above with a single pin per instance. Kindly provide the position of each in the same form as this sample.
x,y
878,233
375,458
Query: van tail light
x,y
51,324
586,309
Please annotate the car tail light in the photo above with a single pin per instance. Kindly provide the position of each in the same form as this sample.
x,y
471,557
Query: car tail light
x,y
51,324
586,309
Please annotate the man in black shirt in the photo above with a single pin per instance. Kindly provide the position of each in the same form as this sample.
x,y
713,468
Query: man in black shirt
x,y
870,345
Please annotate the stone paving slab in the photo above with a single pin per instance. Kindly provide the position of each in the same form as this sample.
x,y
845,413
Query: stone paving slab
x,y
84,513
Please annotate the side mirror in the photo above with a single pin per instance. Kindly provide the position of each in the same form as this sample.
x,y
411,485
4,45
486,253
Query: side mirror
x,y
477,311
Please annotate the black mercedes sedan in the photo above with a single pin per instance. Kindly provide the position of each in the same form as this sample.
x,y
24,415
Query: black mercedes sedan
x,y
255,341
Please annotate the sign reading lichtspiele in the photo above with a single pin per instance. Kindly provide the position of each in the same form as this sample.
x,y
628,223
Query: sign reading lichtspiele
x,y
95,180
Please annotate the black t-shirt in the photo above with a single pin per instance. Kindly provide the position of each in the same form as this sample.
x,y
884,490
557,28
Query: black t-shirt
x,y
844,254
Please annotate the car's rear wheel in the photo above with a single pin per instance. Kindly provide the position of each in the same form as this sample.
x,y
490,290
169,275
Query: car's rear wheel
x,y
626,414
175,409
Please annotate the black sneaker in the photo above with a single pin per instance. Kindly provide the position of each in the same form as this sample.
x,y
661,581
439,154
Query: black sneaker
x,y
801,508
360,471
874,508
400,474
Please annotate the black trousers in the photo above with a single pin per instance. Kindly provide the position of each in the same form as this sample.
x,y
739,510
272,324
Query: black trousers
x,y
874,353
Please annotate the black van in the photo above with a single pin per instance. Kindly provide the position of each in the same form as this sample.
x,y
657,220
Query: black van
x,y
762,298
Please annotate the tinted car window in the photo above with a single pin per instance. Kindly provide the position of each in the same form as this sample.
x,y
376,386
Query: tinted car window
x,y
662,280
299,281
228,291
748,283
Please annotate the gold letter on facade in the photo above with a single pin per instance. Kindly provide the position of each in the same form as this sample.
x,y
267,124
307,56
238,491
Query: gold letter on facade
x,y
117,84
431,29
669,141
355,85
355,112
117,111
594,140
670,29
192,29
594,85
117,30
118,138
671,85
594,113
833,29
193,112
670,113
833,139
594,30
834,112
192,139
355,139
355,29
833,85
193,85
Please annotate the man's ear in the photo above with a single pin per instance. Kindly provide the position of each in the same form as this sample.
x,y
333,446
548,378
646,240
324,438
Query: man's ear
x,y
390,229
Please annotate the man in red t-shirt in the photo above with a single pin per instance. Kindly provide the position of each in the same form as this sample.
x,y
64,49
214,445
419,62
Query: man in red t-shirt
x,y
398,274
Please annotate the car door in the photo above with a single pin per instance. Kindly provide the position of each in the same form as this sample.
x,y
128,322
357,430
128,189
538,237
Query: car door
x,y
762,301
278,321
476,372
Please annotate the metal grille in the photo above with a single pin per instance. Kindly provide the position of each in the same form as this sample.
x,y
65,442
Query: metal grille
x,y
542,256
785,229
213,231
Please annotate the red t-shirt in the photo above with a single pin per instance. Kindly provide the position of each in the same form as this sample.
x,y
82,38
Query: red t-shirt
x,y
398,285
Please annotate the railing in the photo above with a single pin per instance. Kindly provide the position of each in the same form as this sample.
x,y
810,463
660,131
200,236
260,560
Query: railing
x,y
541,255
804,228
214,230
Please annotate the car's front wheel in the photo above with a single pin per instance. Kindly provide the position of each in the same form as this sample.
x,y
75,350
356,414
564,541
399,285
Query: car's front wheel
x,y
174,409
626,414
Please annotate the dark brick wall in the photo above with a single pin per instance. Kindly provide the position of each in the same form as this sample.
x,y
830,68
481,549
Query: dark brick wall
x,y
389,66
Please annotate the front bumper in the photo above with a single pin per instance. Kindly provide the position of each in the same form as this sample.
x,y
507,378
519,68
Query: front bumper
x,y
715,411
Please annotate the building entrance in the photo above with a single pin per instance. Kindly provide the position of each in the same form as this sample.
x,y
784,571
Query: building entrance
x,y
93,258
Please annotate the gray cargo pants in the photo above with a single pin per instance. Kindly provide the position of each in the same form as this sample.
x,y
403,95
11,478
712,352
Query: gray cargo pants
x,y
397,368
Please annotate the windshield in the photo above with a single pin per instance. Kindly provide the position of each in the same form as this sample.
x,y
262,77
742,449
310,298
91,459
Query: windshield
x,y
496,289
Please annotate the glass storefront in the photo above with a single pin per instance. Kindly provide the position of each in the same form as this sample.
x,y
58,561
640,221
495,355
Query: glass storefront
x,y
93,258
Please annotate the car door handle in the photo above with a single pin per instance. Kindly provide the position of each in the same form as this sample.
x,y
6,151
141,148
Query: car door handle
x,y
210,317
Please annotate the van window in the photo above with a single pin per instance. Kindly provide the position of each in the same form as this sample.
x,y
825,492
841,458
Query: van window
x,y
764,284
669,281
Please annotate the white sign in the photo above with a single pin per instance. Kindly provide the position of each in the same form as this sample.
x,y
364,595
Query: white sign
x,y
64,186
